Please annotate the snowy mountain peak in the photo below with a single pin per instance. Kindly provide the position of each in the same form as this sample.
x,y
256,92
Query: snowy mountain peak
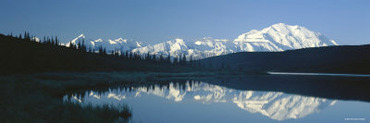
x,y
36,39
82,36
209,41
98,40
75,40
277,37
178,41
174,47
121,40
116,44
281,25
280,37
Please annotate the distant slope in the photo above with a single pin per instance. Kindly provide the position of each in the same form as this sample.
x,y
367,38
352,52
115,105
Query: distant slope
x,y
333,59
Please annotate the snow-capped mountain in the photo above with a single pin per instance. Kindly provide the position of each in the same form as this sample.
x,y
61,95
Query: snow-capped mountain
x,y
275,105
76,40
213,47
174,47
278,37
36,39
202,48
116,44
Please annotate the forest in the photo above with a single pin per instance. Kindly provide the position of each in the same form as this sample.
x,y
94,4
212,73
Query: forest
x,y
26,54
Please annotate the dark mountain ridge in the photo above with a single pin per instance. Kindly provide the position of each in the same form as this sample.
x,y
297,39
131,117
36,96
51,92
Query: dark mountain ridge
x,y
331,59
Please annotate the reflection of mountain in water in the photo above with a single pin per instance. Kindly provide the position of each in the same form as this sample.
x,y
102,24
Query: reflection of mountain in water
x,y
276,105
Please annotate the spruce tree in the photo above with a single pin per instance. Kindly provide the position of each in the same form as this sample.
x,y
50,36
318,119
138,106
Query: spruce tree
x,y
184,59
169,58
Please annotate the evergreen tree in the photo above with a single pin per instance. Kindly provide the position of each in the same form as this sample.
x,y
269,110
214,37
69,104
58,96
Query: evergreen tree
x,y
147,57
169,58
56,41
161,60
90,49
175,60
154,59
43,40
183,59
26,36
101,50
126,54
104,51
131,55
79,45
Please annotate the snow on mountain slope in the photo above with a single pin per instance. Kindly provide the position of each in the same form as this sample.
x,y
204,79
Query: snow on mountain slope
x,y
278,37
36,39
76,40
213,47
175,47
116,44
202,48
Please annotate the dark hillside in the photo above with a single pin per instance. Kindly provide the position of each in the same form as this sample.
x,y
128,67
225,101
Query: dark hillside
x,y
333,59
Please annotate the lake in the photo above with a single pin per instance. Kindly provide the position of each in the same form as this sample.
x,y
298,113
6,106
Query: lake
x,y
260,98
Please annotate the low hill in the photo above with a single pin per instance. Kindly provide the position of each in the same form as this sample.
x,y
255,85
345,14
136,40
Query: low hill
x,y
332,59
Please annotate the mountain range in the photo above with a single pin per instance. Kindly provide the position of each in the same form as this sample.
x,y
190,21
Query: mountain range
x,y
278,37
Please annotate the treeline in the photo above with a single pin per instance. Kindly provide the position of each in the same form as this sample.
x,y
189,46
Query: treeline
x,y
81,46
26,53
46,40
152,58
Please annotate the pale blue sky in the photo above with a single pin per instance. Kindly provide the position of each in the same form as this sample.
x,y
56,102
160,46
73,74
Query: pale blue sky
x,y
152,21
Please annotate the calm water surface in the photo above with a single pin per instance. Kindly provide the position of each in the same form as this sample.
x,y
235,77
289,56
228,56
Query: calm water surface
x,y
200,101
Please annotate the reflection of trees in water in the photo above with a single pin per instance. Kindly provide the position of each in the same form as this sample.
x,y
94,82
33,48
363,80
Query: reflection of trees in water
x,y
276,105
